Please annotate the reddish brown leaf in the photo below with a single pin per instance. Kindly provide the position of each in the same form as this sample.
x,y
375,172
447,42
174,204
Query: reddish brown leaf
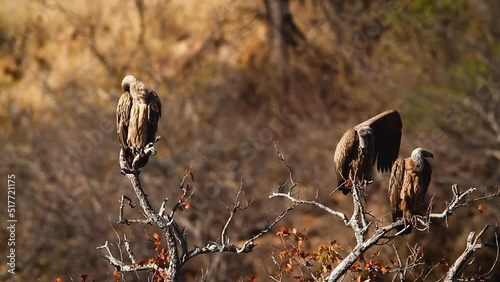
x,y
355,268
164,275
156,245
301,237
163,256
59,280
376,254
252,278
443,262
156,236
117,275
283,232
480,208
191,175
305,229
83,277
289,265
141,263
189,187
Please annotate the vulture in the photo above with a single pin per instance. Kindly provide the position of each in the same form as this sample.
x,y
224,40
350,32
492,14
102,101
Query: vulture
x,y
137,118
408,184
373,141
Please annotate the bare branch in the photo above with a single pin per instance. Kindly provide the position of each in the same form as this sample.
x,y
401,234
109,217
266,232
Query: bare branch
x,y
473,245
129,250
341,215
236,207
247,245
121,217
290,171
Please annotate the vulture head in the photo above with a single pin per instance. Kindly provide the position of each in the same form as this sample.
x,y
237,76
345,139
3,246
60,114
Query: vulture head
x,y
365,135
419,155
136,88
128,81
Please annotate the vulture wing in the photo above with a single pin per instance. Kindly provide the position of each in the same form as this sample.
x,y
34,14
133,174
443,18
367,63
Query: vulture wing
x,y
395,186
387,128
344,153
425,179
154,114
122,118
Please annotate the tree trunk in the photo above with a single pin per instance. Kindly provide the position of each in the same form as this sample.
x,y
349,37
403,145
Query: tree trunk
x,y
277,11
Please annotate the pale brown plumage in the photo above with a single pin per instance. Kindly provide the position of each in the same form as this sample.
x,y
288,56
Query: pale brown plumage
x,y
376,140
137,116
410,179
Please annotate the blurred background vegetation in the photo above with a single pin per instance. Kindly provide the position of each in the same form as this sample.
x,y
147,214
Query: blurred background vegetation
x,y
232,75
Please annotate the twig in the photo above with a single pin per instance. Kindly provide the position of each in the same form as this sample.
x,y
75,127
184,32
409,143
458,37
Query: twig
x,y
290,171
341,215
236,207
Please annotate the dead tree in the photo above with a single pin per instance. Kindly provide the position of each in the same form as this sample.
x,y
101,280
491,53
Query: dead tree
x,y
170,260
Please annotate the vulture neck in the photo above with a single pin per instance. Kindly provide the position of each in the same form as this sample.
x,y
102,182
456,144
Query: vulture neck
x,y
365,144
139,92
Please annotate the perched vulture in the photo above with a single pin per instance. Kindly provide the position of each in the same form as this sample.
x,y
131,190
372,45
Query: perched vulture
x,y
375,140
137,118
409,181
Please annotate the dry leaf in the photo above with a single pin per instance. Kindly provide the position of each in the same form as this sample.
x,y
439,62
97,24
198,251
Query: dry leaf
x,y
480,208
117,275
156,236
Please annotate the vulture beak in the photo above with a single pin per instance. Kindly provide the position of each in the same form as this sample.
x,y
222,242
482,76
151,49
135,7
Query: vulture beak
x,y
429,155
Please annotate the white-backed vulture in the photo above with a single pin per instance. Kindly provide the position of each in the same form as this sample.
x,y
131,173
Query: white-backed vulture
x,y
375,140
408,185
137,118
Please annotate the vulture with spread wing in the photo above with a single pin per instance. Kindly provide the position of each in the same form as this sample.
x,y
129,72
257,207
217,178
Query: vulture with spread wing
x,y
408,185
373,141
137,118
